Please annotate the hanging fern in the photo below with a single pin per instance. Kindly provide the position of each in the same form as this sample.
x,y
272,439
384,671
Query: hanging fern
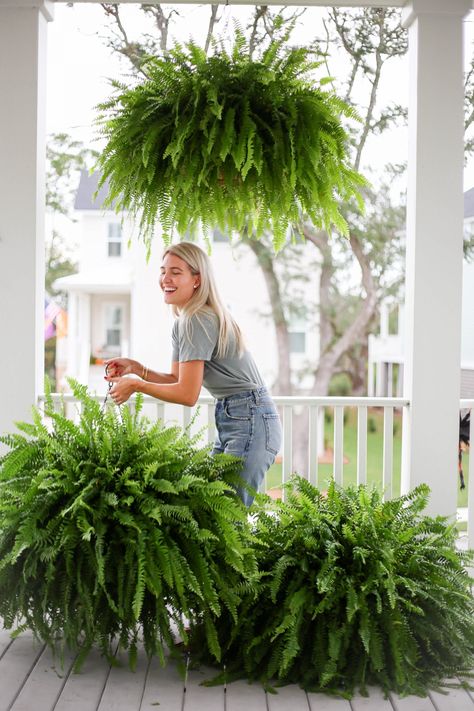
x,y
354,591
228,141
114,528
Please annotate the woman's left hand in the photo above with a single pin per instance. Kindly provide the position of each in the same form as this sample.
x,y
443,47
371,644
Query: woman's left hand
x,y
122,389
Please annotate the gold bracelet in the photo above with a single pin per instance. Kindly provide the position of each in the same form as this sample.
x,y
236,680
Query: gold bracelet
x,y
145,373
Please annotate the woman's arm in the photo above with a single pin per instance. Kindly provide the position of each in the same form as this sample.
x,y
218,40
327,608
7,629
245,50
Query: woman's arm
x,y
151,376
183,391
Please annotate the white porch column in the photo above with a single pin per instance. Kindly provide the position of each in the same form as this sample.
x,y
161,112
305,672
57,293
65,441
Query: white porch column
x,y
22,157
434,248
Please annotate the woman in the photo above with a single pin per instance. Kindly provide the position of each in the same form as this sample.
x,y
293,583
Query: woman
x,y
208,349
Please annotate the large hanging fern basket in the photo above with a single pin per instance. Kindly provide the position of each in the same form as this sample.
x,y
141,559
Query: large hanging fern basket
x,y
227,141
113,529
353,591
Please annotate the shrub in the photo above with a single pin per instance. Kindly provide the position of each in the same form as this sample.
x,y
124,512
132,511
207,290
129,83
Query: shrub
x,y
340,385
353,591
372,424
114,528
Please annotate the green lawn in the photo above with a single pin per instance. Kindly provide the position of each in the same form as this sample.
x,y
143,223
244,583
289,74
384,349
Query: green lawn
x,y
374,455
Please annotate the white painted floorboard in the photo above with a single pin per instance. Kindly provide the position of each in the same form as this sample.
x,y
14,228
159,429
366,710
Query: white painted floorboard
x,y
455,700
5,641
124,688
202,698
164,688
45,683
32,680
322,702
83,690
288,698
374,702
15,667
411,703
241,696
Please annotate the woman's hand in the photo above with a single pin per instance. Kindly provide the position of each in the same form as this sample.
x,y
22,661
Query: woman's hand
x,y
122,388
116,367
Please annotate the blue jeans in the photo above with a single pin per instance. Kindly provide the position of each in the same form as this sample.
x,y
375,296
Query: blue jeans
x,y
248,426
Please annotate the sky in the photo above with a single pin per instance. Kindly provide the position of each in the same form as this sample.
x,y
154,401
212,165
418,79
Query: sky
x,y
80,66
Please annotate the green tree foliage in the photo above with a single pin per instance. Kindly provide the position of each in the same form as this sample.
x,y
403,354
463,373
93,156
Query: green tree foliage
x,y
65,158
113,528
230,141
353,591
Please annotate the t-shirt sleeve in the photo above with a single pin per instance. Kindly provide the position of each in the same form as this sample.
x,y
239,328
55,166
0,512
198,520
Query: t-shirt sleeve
x,y
204,334
175,342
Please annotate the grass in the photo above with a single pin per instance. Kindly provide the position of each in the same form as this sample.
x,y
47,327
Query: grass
x,y
374,455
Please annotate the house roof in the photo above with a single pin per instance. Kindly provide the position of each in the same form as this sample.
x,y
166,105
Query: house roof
x,y
85,193
116,281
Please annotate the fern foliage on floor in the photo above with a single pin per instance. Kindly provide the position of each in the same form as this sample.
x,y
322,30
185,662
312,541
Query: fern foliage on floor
x,y
113,528
354,591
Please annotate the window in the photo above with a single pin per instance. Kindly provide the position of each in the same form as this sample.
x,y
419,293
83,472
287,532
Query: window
x,y
297,342
113,327
114,241
297,327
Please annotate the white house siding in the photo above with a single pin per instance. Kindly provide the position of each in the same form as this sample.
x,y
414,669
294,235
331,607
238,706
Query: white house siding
x,y
99,304
467,382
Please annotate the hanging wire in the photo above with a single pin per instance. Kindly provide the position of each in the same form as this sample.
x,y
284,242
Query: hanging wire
x,y
108,389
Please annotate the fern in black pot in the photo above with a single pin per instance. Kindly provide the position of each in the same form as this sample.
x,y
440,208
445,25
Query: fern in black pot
x,y
114,528
229,140
354,591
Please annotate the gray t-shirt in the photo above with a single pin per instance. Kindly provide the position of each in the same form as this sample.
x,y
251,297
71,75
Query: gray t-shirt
x,y
222,376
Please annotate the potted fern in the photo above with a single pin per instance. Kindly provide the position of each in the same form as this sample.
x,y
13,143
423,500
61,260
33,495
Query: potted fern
x,y
114,528
353,591
228,141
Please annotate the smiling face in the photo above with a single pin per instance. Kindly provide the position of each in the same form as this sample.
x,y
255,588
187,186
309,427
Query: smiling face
x,y
177,281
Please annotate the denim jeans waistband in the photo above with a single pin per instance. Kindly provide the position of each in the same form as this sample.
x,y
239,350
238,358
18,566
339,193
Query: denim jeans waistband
x,y
244,394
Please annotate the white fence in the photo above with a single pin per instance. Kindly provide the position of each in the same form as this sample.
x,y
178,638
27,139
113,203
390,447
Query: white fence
x,y
316,407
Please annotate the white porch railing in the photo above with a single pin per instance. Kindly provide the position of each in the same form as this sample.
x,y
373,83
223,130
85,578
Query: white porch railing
x,y
316,408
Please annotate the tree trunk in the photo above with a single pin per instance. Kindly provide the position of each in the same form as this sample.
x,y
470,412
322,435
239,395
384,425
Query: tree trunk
x,y
282,384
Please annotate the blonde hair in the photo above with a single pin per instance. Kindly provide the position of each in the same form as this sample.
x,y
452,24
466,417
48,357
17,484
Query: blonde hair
x,y
206,299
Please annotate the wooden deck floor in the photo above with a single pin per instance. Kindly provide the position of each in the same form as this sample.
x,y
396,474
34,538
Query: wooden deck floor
x,y
30,680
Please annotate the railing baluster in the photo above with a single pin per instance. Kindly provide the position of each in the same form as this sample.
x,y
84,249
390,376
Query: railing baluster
x,y
338,461
313,444
211,424
387,452
185,416
287,463
160,411
361,445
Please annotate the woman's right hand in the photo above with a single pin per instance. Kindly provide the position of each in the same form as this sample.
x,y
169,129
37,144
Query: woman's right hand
x,y
116,367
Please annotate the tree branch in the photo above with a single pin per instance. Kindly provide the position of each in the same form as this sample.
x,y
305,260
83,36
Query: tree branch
x,y
133,51
162,22
213,20
356,330
260,13
265,260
